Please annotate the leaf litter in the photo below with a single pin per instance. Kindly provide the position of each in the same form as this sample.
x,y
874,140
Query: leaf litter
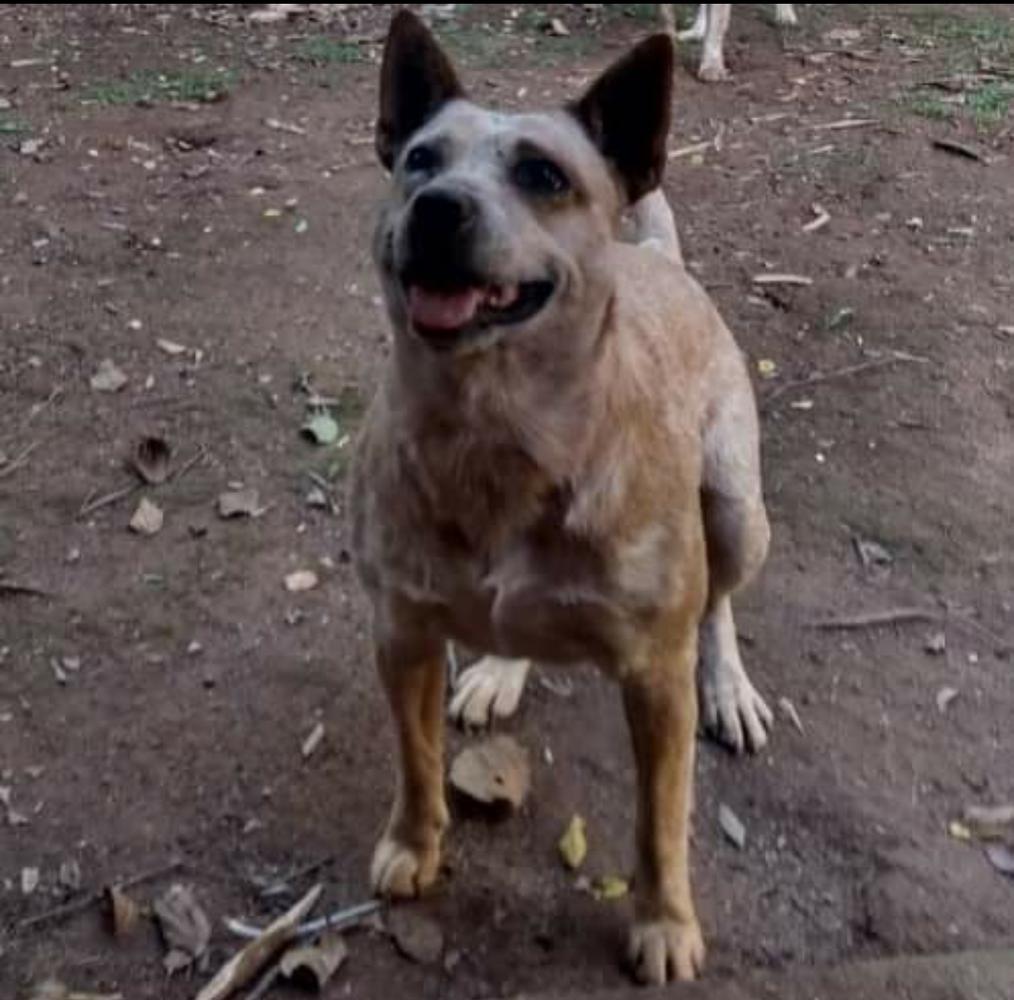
x,y
495,772
185,928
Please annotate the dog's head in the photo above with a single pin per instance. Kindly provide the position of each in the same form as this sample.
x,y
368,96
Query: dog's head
x,y
494,220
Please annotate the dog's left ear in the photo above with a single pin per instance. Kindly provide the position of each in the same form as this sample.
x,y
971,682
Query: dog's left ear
x,y
627,113
417,79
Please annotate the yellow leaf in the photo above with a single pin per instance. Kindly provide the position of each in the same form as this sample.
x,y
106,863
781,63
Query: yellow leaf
x,y
574,844
767,369
961,832
612,889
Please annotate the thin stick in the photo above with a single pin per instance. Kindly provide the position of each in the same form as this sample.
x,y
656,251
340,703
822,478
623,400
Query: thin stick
x,y
109,500
64,913
845,123
345,920
877,619
820,378
185,471
282,885
908,616
9,588
20,462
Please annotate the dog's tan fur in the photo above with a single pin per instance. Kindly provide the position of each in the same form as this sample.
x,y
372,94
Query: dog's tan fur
x,y
583,486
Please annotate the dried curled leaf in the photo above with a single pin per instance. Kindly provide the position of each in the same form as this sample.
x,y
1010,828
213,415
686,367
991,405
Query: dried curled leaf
x,y
239,503
419,939
574,844
151,461
185,928
313,968
124,913
494,772
990,823
612,889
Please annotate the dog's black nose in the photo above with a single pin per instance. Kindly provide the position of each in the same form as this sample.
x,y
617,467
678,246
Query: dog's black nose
x,y
442,213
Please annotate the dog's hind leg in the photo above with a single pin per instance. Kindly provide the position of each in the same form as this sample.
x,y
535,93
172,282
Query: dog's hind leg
x,y
785,13
413,670
653,225
738,535
699,28
490,689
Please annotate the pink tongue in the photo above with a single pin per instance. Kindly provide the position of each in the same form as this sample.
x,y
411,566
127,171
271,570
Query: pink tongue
x,y
444,310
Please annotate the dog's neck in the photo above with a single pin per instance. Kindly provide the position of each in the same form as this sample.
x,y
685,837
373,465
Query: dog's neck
x,y
530,394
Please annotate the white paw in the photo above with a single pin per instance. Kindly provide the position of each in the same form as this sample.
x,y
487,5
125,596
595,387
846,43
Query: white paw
x,y
732,711
713,71
488,691
401,872
661,953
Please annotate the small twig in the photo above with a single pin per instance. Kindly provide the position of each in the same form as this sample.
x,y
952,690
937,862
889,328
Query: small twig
x,y
42,407
64,913
820,378
877,619
960,149
110,500
8,588
185,471
20,461
823,217
907,616
798,280
283,885
267,983
845,123
344,920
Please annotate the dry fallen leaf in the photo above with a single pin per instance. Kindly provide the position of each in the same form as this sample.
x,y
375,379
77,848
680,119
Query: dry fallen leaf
x,y
12,816
314,741
124,913
946,698
151,461
574,844
148,520
302,582
248,964
313,968
239,503
170,348
767,369
494,772
108,378
733,827
612,889
30,879
69,877
557,28
936,645
55,990
419,939
185,927
1001,857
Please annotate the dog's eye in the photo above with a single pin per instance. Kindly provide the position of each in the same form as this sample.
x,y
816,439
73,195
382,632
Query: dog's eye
x,y
541,177
422,160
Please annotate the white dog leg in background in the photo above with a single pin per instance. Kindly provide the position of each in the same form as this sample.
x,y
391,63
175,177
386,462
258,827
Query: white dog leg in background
x,y
713,60
697,31
785,13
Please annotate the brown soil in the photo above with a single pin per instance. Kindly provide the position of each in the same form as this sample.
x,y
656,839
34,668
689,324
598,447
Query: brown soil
x,y
200,676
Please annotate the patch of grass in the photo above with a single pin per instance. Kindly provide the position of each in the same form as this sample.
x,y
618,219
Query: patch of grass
x,y
324,51
986,33
11,126
928,106
475,45
155,88
990,104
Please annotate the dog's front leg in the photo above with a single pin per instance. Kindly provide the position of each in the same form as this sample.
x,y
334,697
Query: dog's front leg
x,y
661,706
413,672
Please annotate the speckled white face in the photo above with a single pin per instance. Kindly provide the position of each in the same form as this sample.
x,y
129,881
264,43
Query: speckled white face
x,y
489,218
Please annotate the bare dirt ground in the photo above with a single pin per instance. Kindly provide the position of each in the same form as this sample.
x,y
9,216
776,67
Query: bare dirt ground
x,y
169,173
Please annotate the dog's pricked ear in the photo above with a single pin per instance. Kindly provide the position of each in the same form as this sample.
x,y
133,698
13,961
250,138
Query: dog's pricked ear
x,y
627,113
417,79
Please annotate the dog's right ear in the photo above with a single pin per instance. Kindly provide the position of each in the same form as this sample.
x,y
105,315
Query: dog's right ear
x,y
417,79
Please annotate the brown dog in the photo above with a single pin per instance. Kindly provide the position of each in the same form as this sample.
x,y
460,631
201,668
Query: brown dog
x,y
562,461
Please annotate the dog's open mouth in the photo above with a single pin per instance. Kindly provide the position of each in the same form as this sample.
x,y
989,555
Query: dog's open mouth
x,y
445,316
